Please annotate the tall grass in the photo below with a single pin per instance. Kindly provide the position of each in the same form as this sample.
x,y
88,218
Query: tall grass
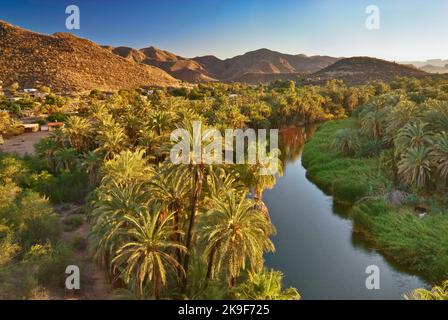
x,y
419,244
348,179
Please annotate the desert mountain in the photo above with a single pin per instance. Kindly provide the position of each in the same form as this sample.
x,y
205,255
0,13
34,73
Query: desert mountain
x,y
179,67
359,70
431,66
253,67
434,69
262,62
67,63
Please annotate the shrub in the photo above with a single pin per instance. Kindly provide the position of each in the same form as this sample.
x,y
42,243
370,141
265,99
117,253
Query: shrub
x,y
346,141
39,224
57,117
7,246
49,263
369,148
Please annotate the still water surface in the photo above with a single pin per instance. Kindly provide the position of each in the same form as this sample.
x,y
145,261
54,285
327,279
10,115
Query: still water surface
x,y
315,246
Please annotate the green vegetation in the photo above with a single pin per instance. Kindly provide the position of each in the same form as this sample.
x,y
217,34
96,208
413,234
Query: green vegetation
x,y
31,256
346,177
73,222
201,230
390,160
436,293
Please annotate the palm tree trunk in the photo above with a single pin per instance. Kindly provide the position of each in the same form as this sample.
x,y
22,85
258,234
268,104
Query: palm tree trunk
x,y
258,195
177,239
197,187
210,265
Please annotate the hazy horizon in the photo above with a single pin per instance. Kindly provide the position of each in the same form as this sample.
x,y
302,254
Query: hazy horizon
x,y
409,30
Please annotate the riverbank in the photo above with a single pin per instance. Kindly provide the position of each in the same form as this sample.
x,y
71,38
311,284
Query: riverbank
x,y
397,231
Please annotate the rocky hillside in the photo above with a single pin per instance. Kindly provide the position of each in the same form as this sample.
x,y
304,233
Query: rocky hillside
x,y
359,70
253,67
67,63
262,62
179,67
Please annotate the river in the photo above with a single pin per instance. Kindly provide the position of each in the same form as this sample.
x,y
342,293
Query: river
x,y
316,248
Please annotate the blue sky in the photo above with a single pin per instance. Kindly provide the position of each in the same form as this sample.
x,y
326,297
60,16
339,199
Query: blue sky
x,y
410,29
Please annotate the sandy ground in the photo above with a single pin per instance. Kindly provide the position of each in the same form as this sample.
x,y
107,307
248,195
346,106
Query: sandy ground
x,y
24,143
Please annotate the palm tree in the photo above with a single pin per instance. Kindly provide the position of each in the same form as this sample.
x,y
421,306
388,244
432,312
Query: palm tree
x,y
127,166
196,171
398,116
161,121
436,293
372,124
413,135
111,141
145,258
152,143
255,175
46,148
346,141
79,133
415,166
440,155
265,285
65,159
115,201
234,232
91,163
170,190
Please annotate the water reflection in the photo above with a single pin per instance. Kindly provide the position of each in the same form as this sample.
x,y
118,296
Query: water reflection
x,y
292,140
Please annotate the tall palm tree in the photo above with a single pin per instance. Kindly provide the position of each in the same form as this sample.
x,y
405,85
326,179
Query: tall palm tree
x,y
170,190
115,201
256,176
79,133
265,285
415,166
145,258
234,233
197,171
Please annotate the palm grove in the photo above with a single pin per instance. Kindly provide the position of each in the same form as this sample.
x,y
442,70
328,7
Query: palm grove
x,y
162,230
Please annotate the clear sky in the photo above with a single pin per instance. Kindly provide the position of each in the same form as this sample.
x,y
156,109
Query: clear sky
x,y
409,30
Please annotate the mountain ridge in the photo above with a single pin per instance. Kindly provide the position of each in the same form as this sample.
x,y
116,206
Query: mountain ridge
x,y
68,63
